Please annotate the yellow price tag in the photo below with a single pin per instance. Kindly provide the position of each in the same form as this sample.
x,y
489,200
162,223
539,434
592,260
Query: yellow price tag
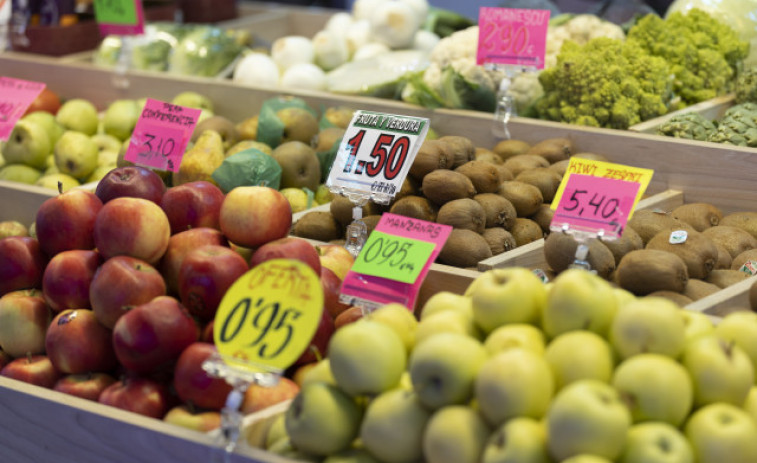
x,y
269,315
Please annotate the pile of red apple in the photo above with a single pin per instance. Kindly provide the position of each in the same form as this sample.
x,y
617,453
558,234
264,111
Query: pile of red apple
x,y
113,300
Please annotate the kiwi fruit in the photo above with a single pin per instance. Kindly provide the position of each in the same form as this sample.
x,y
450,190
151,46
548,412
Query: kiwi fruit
x,y
521,162
560,167
504,173
525,197
409,188
544,179
699,215
318,225
724,257
499,239
432,155
441,186
525,231
341,208
543,216
487,155
746,221
499,211
743,258
560,253
484,175
463,213
461,148
553,149
697,289
416,207
645,271
698,251
591,156
506,149
648,223
371,221
677,298
628,241
724,278
464,248
734,239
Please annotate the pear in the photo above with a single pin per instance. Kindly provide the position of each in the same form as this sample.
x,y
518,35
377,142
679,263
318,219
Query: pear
x,y
300,167
20,173
201,160
51,181
299,124
224,127
120,118
247,144
339,116
27,144
248,128
47,120
80,115
192,99
76,154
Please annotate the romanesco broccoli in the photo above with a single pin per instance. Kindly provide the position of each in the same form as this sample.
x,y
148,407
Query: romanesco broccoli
x,y
689,125
746,86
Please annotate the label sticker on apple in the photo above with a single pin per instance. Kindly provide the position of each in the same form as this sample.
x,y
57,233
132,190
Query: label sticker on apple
x,y
678,237
119,17
15,97
512,36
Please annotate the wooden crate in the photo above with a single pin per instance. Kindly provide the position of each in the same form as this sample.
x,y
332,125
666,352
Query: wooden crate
x,y
20,202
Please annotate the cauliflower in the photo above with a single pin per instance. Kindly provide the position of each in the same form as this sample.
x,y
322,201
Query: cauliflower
x,y
689,125
738,126
579,29
746,86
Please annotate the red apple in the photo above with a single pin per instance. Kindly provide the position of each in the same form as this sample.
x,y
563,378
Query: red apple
x,y
192,205
132,227
319,343
254,215
120,283
288,248
67,221
197,420
153,335
32,369
331,285
86,385
205,275
21,264
179,245
67,278
193,384
258,397
24,318
77,343
336,257
350,315
5,359
47,100
138,395
132,182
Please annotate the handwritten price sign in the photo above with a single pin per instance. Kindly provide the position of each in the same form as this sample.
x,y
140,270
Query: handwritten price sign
x,y
15,96
393,257
119,17
514,36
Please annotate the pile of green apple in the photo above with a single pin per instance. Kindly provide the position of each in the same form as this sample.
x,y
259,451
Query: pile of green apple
x,y
514,370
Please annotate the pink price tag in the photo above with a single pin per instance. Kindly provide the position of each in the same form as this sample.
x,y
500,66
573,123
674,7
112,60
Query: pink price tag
x,y
120,17
161,135
15,96
373,291
515,36
595,204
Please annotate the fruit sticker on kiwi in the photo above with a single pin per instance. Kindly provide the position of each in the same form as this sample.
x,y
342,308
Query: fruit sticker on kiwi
x,y
161,135
393,262
512,36
15,96
267,318
119,17
375,154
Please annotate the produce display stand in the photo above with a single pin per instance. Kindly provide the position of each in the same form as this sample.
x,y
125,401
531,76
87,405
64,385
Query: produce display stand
x,y
710,109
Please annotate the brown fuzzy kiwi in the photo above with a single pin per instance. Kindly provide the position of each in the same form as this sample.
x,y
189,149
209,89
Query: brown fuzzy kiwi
x,y
544,179
464,248
526,231
648,223
744,220
699,215
698,251
753,297
504,173
432,155
560,167
341,208
678,298
462,149
484,175
543,216
371,221
724,278
734,239
525,197
499,211
743,258
487,155
724,257
416,207
553,149
499,239
560,252
697,289
648,270
409,188
521,162
506,149
628,241
441,186
592,156
318,225
463,213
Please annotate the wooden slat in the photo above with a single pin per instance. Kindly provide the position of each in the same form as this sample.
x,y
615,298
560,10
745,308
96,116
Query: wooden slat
x,y
721,303
21,202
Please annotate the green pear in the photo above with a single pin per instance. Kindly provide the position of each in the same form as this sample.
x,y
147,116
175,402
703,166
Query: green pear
x,y
243,145
20,173
299,124
455,434
47,120
51,181
27,144
519,440
201,160
300,167
298,199
322,194
106,142
192,99
339,116
76,154
99,173
80,115
120,118
320,373
276,431
586,458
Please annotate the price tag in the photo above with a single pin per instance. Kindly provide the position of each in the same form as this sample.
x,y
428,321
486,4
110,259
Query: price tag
x,y
120,17
161,135
15,96
376,153
514,36
393,262
268,316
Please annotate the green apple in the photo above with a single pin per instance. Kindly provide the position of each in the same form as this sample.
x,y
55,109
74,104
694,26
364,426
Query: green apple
x,y
20,173
648,324
579,300
277,430
444,301
579,355
320,373
654,442
517,335
623,296
120,118
351,455
78,115
400,319
455,434
322,419
450,321
587,416
696,324
586,458
721,433
298,199
76,154
513,383
367,357
47,120
506,295
393,425
741,328
99,173
720,370
27,144
655,387
443,369
58,182
750,404
285,448
322,194
192,99
519,440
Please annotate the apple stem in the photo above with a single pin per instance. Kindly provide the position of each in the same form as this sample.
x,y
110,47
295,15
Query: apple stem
x,y
28,357
60,187
316,352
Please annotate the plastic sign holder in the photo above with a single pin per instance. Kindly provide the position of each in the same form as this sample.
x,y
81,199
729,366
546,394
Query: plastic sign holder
x,y
15,97
124,18
264,322
371,163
